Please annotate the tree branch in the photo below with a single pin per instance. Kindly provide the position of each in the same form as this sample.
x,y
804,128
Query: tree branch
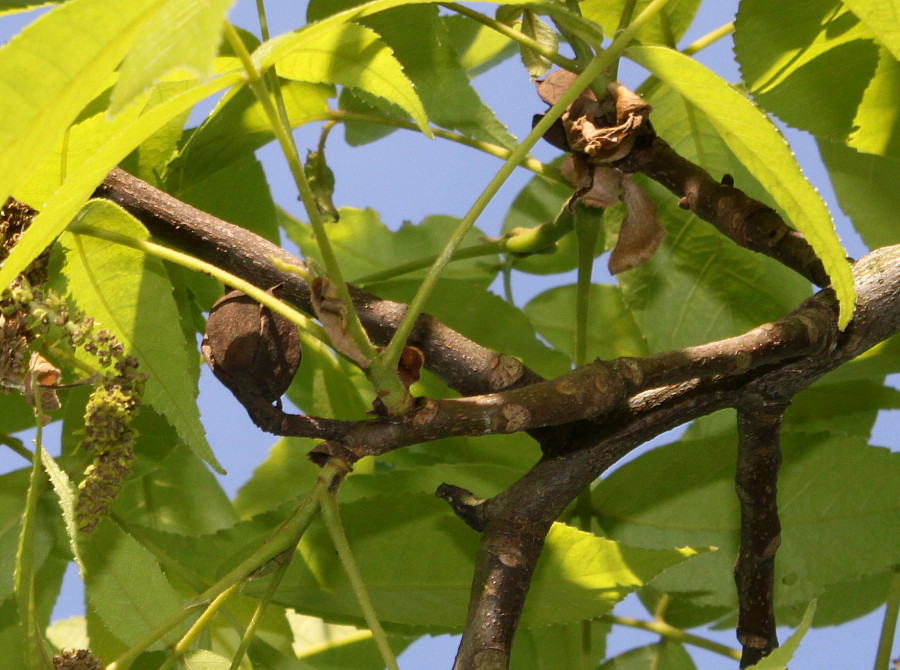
x,y
759,457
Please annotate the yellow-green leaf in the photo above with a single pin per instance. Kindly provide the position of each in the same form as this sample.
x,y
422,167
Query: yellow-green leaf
x,y
52,69
339,52
756,142
128,293
882,17
182,33
119,139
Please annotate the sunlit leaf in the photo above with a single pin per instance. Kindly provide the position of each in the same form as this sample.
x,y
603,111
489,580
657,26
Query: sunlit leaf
x,y
477,47
762,149
181,34
64,204
666,28
421,43
205,660
337,52
84,41
883,18
128,293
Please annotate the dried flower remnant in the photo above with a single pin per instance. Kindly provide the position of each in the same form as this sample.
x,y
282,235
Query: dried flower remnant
x,y
597,133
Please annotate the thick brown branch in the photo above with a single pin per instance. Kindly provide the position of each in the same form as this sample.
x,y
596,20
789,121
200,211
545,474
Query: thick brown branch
x,y
538,498
464,365
748,222
759,457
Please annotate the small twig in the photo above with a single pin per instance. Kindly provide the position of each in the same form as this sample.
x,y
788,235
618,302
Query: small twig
x,y
759,457
670,632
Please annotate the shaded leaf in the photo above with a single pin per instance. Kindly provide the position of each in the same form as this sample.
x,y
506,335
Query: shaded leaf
x,y
129,293
535,28
561,646
865,186
665,655
611,330
762,149
365,246
418,568
794,57
238,126
700,286
126,587
283,475
478,48
836,521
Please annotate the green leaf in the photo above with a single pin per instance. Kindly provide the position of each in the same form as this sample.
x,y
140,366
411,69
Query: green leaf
x,y
793,58
700,286
759,145
561,646
878,117
837,530
237,192
84,41
611,330
181,34
328,385
282,476
65,492
665,655
882,17
70,633
462,305
238,126
335,51
666,28
865,188
478,48
420,42
123,137
779,657
537,29
170,487
125,586
205,660
365,246
418,569
129,293
325,646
